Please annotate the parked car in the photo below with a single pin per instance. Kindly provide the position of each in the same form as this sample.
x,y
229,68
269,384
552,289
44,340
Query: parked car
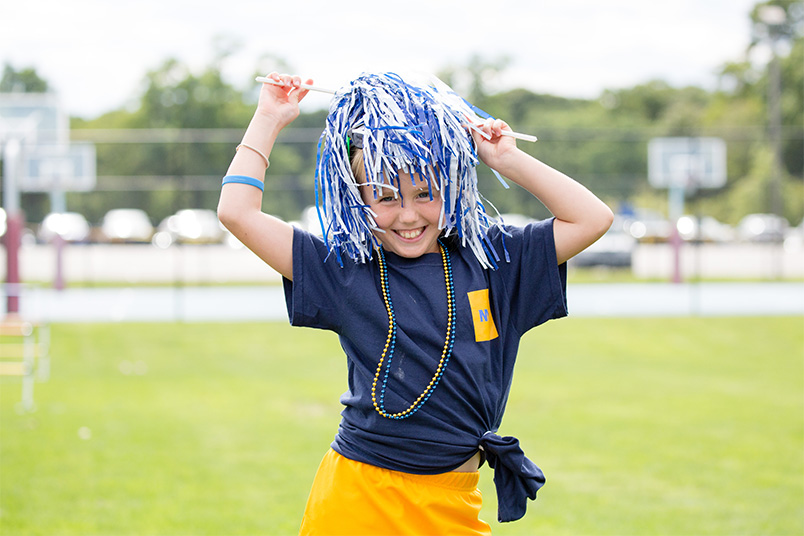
x,y
705,229
649,226
190,226
70,226
126,225
794,238
762,228
615,248
308,220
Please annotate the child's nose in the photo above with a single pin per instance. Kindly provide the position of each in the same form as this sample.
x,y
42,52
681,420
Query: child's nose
x,y
408,213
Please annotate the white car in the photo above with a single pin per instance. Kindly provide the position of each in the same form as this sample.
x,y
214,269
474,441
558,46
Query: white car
x,y
70,226
127,225
190,226
705,229
762,228
615,248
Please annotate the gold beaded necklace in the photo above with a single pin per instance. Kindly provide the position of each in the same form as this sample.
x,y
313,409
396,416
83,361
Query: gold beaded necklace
x,y
390,342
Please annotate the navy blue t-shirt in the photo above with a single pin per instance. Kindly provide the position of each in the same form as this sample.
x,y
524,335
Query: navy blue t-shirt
x,y
470,399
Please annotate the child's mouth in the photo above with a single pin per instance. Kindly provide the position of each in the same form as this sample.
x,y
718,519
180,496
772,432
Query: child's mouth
x,y
409,234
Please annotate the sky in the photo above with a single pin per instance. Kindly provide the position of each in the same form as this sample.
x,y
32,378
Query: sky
x,y
95,54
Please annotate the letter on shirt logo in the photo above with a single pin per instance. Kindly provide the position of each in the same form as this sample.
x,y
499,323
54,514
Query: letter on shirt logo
x,y
485,330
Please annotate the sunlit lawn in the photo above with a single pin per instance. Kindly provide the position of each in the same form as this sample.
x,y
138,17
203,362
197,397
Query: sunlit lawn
x,y
678,426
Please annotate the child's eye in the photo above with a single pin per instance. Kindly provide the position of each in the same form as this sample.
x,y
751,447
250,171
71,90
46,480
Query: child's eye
x,y
386,199
424,195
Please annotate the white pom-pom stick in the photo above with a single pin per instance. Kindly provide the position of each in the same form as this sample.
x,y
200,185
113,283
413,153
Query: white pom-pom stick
x,y
517,135
302,86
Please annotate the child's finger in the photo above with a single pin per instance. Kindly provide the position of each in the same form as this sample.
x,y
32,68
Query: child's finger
x,y
271,76
298,90
500,126
287,82
301,93
273,80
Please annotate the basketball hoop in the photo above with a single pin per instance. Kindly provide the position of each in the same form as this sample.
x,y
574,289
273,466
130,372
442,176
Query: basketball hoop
x,y
687,163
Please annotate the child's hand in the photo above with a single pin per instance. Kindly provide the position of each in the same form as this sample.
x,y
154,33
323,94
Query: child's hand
x,y
496,147
282,102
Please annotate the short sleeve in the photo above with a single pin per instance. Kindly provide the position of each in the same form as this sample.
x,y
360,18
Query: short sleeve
x,y
318,285
532,281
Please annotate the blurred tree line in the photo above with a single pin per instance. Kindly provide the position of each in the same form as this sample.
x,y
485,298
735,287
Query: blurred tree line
x,y
169,150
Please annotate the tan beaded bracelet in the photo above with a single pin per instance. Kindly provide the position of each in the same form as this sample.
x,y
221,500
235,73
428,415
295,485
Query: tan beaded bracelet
x,y
267,163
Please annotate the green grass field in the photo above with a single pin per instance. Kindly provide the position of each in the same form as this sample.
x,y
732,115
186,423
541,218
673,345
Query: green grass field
x,y
670,426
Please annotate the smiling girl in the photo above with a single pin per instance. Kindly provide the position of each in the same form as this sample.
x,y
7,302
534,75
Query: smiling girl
x,y
428,295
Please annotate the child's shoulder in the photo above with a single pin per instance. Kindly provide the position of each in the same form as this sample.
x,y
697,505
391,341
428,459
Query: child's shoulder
x,y
520,230
507,243
310,248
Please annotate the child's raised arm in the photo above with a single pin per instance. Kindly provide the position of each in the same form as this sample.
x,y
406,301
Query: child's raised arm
x,y
581,218
240,205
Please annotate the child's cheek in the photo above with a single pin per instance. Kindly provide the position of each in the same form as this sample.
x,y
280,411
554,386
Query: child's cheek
x,y
381,217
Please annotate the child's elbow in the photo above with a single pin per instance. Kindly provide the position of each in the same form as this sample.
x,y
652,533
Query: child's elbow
x,y
227,216
603,219
607,218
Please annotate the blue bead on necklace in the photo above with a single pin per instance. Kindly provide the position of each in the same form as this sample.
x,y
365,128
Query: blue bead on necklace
x,y
390,343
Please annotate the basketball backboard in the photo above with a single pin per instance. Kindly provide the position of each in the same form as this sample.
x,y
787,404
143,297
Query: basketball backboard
x,y
58,167
687,162
33,118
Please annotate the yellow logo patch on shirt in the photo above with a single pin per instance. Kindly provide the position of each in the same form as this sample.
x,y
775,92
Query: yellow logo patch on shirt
x,y
485,330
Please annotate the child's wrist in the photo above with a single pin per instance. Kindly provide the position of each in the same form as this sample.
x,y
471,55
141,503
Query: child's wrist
x,y
268,122
508,162
262,132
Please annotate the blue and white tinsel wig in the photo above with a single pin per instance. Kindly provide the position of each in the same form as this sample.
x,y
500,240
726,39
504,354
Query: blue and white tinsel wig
x,y
419,129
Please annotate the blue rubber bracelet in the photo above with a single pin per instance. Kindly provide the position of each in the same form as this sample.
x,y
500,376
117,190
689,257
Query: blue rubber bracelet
x,y
242,179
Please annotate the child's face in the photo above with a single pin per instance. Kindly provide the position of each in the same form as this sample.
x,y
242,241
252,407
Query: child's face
x,y
410,220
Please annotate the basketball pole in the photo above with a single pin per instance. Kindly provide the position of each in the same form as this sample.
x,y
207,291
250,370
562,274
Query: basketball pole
x,y
675,197
14,223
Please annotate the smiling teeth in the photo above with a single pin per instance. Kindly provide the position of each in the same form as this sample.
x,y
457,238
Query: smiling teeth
x,y
410,233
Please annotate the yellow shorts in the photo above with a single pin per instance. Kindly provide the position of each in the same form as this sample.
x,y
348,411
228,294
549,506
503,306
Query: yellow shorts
x,y
357,499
